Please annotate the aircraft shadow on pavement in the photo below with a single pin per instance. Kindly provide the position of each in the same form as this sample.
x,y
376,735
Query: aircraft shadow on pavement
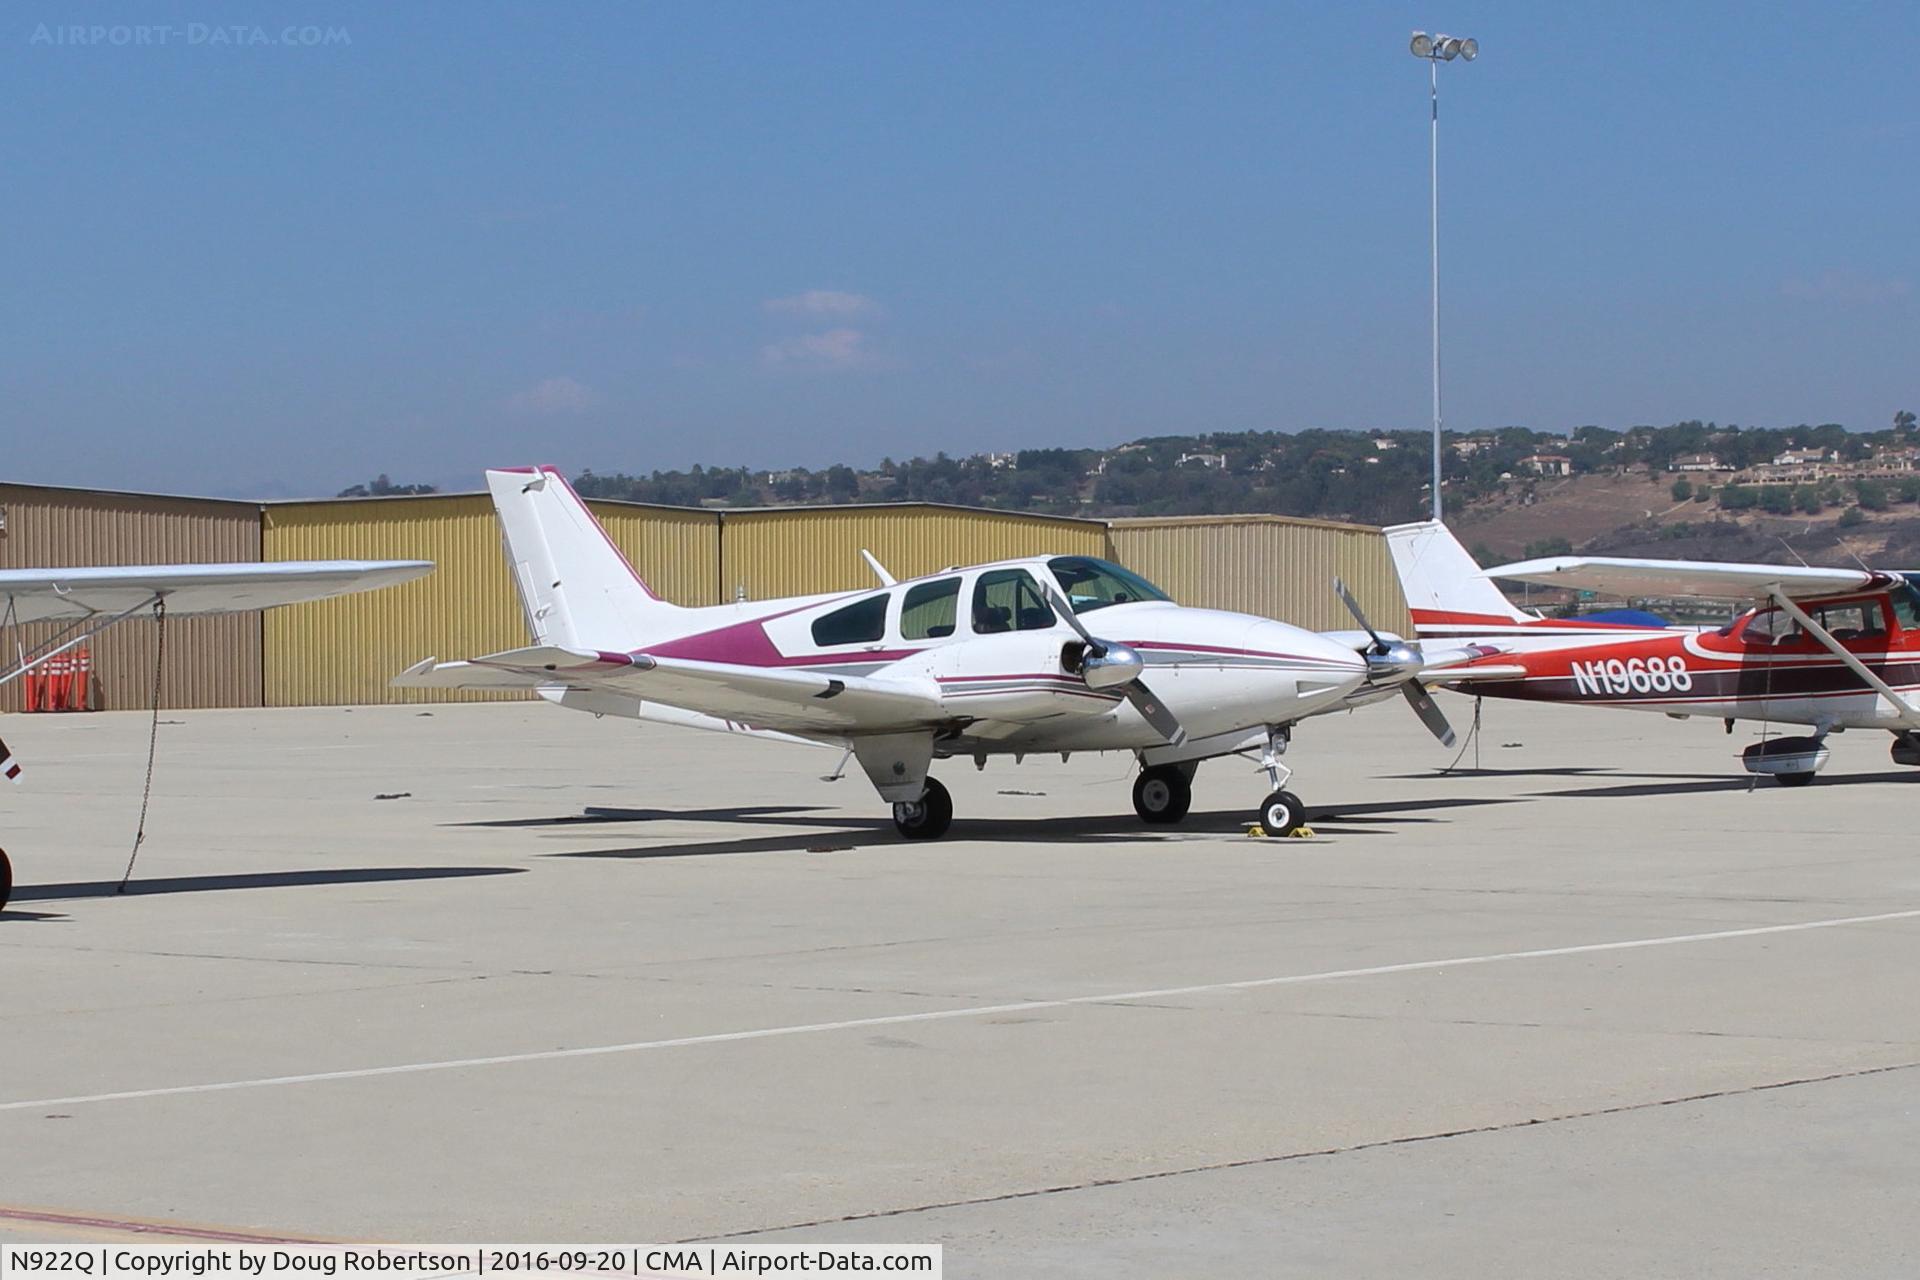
x,y
837,834
1564,771
596,814
842,833
248,880
1694,784
1401,810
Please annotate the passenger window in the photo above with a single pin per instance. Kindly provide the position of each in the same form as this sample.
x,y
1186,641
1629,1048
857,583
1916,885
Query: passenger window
x,y
1008,600
929,610
860,623
1851,621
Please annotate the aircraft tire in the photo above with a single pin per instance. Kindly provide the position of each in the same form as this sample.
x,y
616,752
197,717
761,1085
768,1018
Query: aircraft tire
x,y
1281,813
1793,779
1162,795
6,879
926,818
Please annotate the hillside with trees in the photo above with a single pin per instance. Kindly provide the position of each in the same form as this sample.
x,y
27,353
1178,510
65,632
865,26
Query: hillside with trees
x,y
1688,489
1368,477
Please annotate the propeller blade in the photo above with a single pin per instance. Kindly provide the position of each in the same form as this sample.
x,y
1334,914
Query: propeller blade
x,y
1353,607
1429,712
1068,616
1155,713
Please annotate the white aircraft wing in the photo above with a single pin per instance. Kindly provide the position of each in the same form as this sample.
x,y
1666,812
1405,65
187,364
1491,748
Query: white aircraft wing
x,y
34,595
763,697
1621,577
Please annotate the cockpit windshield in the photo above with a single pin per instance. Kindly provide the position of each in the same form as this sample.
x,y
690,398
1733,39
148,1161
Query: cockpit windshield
x,y
1906,601
1094,584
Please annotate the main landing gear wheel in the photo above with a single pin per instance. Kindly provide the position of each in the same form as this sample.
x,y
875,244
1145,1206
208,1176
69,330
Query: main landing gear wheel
x,y
6,879
926,818
1282,814
1162,795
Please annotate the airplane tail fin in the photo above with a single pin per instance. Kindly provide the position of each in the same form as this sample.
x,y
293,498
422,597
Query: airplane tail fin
x,y
578,589
1446,593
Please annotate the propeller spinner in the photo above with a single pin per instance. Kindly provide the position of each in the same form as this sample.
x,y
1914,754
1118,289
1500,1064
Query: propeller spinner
x,y
1396,661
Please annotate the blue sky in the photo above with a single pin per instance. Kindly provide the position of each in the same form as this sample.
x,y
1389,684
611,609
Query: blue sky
x,y
637,236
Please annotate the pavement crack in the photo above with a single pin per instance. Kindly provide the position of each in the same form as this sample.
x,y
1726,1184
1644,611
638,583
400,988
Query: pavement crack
x,y
1255,1162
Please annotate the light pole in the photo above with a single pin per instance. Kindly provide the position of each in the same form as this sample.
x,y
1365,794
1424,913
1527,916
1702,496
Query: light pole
x,y
1437,49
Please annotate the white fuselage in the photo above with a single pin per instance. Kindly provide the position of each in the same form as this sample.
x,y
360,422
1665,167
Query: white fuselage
x,y
1000,674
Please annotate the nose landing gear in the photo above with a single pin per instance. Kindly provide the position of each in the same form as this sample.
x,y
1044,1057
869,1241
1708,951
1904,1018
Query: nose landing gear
x,y
1281,813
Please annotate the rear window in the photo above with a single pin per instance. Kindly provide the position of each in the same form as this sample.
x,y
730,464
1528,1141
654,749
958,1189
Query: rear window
x,y
862,622
929,610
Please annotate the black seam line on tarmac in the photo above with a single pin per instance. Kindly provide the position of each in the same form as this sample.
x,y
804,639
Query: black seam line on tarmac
x,y
1255,1162
951,1014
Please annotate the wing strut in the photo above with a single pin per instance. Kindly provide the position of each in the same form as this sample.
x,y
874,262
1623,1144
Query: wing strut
x,y
1908,716
91,627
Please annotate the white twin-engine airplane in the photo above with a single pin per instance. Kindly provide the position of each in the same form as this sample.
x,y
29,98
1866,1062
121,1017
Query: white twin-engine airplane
x,y
992,659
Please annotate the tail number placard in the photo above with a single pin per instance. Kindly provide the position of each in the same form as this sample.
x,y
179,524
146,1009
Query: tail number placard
x,y
1635,675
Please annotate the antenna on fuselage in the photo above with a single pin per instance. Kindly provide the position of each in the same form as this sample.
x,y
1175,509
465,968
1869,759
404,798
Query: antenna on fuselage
x,y
879,570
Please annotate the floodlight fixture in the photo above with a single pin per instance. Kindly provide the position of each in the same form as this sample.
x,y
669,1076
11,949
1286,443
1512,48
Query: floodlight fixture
x,y
1422,45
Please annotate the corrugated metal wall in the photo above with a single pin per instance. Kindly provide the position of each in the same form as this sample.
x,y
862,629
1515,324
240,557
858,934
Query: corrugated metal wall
x,y
210,662
779,552
344,651
1269,565
675,549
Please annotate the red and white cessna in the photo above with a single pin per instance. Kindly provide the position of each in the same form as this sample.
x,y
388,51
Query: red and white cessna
x,y
1832,649
991,659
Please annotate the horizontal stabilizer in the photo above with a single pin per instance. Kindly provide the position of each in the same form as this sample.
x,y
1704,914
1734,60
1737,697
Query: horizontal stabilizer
x,y
793,700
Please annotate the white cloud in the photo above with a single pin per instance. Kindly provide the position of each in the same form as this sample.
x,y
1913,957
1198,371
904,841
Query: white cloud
x,y
554,395
1850,287
823,302
834,349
